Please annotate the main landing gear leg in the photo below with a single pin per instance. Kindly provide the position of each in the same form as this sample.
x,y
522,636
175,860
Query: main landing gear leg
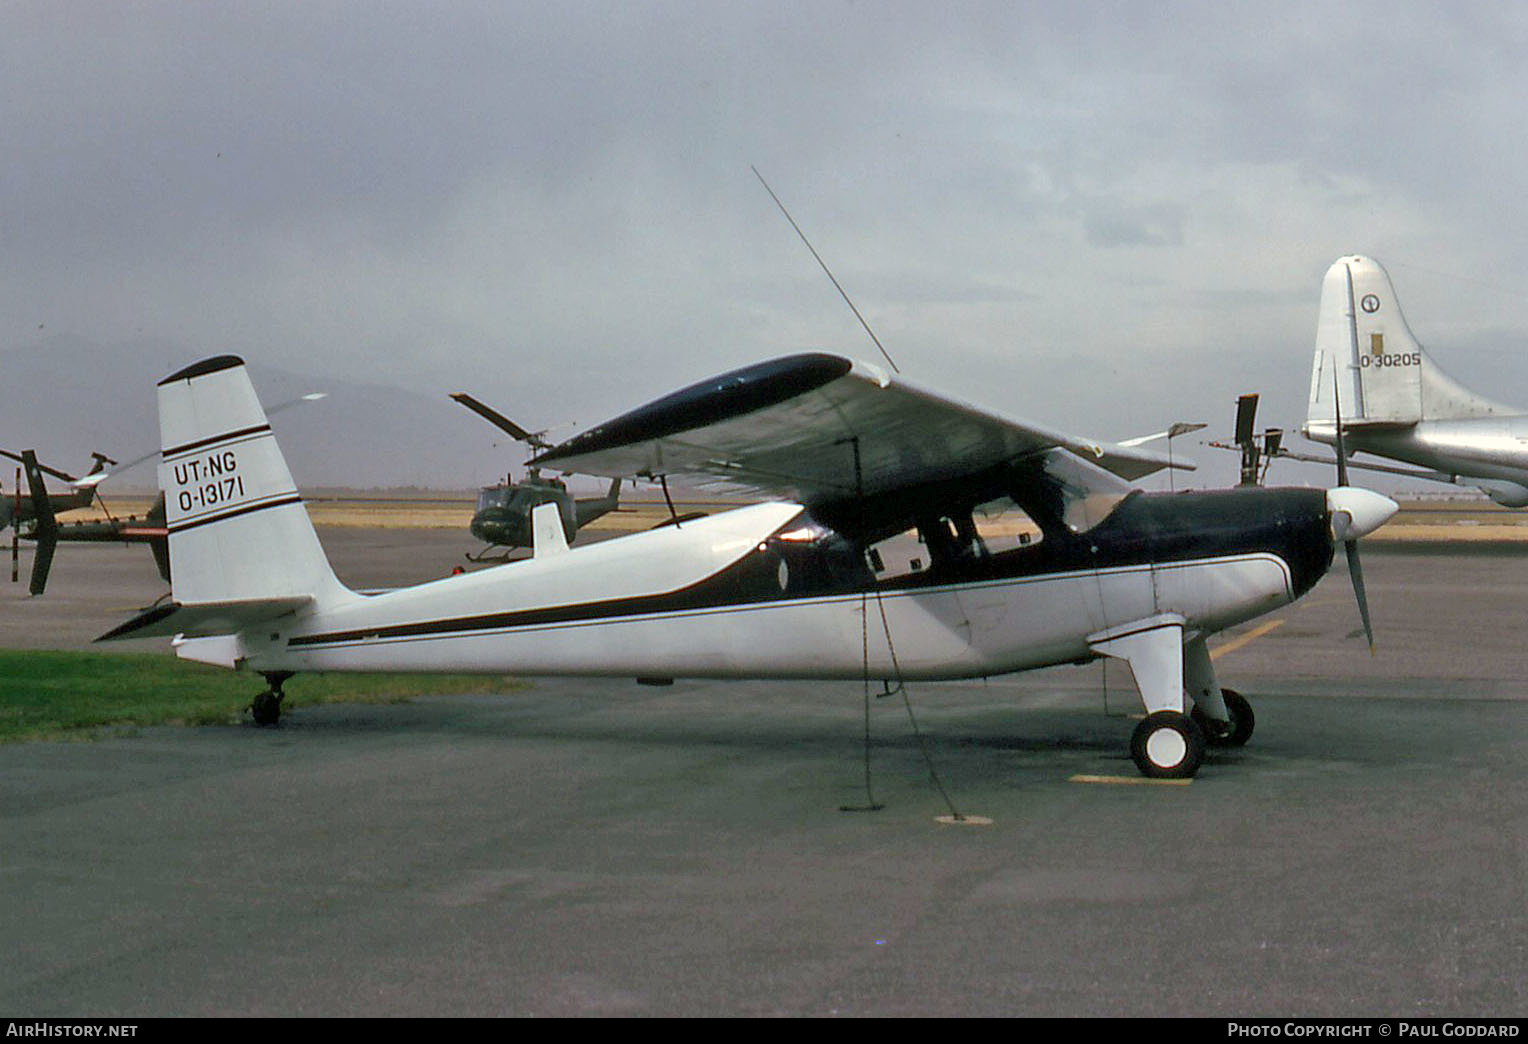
x,y
266,707
1223,715
1167,745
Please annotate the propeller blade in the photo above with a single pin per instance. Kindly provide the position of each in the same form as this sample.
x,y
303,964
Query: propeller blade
x,y
1342,450
1356,573
1355,515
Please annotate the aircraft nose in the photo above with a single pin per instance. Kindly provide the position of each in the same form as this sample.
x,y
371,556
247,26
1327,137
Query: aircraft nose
x,y
1357,512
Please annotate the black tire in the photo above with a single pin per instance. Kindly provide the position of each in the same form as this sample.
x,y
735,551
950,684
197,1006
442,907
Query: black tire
x,y
1167,745
1242,719
266,708
1234,733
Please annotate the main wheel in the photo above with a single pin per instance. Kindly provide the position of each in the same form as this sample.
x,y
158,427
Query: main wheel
x,y
1167,745
266,708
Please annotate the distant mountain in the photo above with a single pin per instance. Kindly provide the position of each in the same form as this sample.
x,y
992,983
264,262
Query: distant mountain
x,y
66,397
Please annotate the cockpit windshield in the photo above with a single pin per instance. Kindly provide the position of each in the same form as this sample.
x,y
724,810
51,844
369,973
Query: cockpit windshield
x,y
1087,493
506,498
492,497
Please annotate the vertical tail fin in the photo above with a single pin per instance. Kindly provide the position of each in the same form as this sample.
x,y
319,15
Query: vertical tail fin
x,y
1365,349
238,530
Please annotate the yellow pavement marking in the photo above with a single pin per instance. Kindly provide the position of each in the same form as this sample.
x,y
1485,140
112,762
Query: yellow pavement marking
x,y
1252,635
1131,781
964,820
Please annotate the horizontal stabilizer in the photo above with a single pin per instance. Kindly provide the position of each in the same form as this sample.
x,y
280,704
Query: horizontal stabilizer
x,y
205,619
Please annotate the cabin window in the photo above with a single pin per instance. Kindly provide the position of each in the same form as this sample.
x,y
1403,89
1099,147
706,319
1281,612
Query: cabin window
x,y
1002,525
897,556
954,540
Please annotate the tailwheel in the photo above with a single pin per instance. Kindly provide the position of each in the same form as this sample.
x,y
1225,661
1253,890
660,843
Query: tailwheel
x,y
266,707
1167,745
1233,733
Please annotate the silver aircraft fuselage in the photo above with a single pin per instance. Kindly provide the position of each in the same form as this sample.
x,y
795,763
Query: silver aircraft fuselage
x,y
1490,452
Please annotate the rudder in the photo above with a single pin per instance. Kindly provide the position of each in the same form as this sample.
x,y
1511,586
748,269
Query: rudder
x,y
1367,353
238,530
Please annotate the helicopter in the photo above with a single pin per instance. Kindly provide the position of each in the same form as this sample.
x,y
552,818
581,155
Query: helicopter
x,y
32,512
35,518
502,515
19,510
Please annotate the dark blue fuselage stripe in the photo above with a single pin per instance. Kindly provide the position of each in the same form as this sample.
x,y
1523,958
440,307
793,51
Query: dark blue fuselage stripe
x,y
247,509
692,601
203,443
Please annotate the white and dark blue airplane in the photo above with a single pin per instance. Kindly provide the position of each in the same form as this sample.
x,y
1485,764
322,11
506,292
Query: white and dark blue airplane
x,y
908,536
1396,403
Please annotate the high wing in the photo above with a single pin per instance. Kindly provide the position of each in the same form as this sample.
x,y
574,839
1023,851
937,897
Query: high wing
x,y
855,444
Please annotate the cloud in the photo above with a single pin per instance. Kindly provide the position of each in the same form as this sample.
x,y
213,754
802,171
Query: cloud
x,y
1076,204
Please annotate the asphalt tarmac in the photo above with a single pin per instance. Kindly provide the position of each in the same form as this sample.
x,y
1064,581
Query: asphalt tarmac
x,y
600,848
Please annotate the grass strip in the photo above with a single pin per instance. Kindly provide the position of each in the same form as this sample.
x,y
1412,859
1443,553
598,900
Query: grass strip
x,y
67,695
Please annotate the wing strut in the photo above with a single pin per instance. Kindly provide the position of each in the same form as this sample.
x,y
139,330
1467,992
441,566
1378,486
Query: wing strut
x,y
871,805
673,515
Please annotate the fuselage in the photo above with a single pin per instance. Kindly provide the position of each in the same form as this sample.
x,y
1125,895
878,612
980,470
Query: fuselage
x,y
1494,449
767,592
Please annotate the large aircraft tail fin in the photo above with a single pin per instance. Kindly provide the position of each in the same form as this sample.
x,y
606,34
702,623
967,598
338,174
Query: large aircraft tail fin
x,y
238,531
1367,355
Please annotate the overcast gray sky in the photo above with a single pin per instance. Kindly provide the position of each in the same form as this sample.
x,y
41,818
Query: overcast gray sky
x,y
1102,216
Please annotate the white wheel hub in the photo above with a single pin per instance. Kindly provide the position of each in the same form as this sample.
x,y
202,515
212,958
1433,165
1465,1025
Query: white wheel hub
x,y
1166,748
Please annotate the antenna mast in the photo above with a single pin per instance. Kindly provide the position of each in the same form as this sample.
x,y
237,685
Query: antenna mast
x,y
884,353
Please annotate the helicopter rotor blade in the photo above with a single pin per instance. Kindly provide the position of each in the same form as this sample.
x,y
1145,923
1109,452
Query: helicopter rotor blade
x,y
21,458
498,420
45,526
1246,417
115,469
